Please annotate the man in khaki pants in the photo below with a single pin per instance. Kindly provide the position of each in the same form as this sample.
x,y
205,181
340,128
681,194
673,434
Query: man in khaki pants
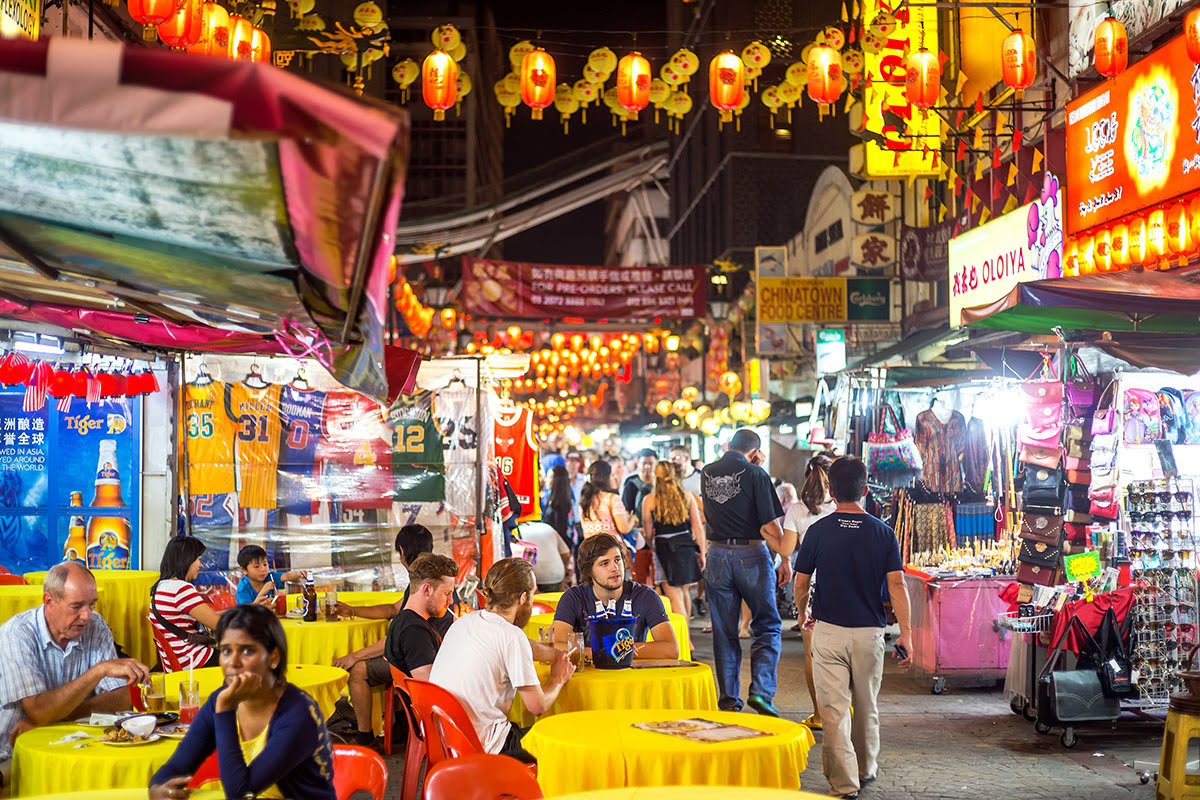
x,y
854,553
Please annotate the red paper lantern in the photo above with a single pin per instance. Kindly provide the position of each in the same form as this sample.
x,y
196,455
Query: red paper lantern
x,y
214,31
150,13
108,384
439,82
1111,48
81,383
1018,60
824,74
1191,31
62,384
727,83
633,83
923,79
184,29
241,31
1179,238
538,81
260,46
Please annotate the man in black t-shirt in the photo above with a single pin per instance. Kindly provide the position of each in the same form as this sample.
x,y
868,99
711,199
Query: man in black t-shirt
x,y
855,554
639,485
412,641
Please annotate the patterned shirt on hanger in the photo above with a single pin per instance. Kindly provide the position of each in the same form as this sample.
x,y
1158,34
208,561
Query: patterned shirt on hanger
x,y
942,446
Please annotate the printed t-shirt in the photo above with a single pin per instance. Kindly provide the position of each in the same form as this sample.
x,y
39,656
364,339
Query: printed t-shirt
x,y
256,411
853,554
579,602
173,599
301,412
738,498
411,643
210,437
483,660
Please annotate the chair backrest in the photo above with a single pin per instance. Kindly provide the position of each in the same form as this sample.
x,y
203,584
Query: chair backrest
x,y
8,579
358,769
221,599
208,772
165,654
414,752
542,608
481,776
448,729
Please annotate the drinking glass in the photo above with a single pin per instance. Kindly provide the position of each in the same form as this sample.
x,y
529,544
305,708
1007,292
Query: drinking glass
x,y
546,635
575,649
189,700
154,694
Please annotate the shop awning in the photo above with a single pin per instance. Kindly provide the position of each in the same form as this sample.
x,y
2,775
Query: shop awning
x,y
193,203
1150,302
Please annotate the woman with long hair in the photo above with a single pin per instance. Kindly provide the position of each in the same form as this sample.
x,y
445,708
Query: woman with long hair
x,y
671,519
269,736
602,509
560,503
815,503
177,610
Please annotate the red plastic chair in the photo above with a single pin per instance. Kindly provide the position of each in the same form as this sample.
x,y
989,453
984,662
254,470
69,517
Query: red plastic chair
x,y
208,772
414,753
448,729
358,769
8,579
481,776
221,599
542,608
5,570
165,654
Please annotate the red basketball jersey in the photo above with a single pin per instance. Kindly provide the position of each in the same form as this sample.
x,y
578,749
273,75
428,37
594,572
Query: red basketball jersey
x,y
517,457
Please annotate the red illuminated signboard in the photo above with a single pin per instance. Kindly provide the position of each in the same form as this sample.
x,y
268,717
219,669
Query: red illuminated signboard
x,y
1134,141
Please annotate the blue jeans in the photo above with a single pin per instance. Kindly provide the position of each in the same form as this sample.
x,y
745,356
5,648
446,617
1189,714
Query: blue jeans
x,y
733,574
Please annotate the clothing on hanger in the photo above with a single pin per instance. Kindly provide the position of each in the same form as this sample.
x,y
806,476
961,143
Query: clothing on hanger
x,y
942,447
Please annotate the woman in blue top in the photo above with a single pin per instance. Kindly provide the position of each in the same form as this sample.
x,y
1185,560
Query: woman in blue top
x,y
269,736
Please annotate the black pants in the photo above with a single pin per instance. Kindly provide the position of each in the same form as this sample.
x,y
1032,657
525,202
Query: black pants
x,y
512,745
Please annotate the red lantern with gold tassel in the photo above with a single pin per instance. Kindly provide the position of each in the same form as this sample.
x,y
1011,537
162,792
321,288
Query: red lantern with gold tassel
x,y
149,13
824,74
260,46
1111,48
923,79
241,31
1018,60
439,82
633,83
184,29
1191,32
214,32
726,83
538,81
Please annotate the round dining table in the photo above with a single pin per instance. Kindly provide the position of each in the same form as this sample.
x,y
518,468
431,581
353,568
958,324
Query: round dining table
x,y
323,682
41,767
587,750
324,642
124,602
678,624
351,599
644,686
687,793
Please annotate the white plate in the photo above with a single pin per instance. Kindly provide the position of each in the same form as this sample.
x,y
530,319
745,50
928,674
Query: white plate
x,y
173,731
154,737
87,723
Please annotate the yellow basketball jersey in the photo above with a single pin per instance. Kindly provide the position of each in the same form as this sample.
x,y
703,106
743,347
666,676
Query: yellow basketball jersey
x,y
256,412
210,435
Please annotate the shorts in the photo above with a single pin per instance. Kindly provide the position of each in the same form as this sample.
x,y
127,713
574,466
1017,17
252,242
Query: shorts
x,y
679,557
379,671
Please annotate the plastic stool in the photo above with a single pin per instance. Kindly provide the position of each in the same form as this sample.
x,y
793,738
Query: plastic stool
x,y
1183,724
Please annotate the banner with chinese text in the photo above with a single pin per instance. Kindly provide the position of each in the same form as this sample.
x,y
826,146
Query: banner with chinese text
x,y
547,291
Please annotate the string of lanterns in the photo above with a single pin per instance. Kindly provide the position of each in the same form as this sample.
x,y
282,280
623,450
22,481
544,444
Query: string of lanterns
x,y
201,27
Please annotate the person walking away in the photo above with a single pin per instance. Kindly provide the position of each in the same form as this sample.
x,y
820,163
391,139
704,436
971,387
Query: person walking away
x,y
815,503
743,515
689,479
855,554
671,517
602,509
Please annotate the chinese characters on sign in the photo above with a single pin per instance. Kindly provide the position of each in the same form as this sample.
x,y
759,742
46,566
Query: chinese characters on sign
x,y
515,289
874,207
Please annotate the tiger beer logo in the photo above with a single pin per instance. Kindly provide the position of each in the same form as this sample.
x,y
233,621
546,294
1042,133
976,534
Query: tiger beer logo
x,y
86,423
108,472
116,423
622,644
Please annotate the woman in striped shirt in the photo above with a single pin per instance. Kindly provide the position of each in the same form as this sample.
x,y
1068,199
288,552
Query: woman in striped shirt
x,y
177,609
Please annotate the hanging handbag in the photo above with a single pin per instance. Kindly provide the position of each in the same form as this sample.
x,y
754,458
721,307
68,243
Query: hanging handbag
x,y
1081,388
1046,438
1104,418
1078,517
1116,668
1043,488
1040,553
1044,528
1079,477
1078,449
1073,695
892,452
1048,457
1077,500
1076,533
1036,574
1077,464
1104,510
1075,433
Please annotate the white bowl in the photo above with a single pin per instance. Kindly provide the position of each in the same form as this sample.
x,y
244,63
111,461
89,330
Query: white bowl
x,y
140,725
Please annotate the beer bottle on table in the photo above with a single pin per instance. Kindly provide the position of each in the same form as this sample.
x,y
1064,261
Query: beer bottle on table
x,y
75,548
108,537
310,601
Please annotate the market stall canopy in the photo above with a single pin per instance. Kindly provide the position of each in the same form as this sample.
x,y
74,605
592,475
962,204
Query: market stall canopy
x,y
194,203
1150,302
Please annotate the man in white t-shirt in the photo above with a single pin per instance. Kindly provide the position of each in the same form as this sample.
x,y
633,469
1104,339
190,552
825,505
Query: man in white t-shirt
x,y
485,659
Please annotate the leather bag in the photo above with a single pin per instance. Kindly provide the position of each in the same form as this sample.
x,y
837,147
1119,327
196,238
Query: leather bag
x,y
1044,528
1081,388
1076,533
1065,697
1043,488
1078,517
1037,574
1048,457
1045,555
1077,449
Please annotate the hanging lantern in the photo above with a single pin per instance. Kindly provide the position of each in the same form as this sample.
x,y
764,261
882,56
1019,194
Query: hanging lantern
x,y
923,79
517,53
449,318
1156,235
260,46
726,83
603,60
446,37
150,13
1111,48
633,83
663,407
214,33
1070,258
1018,60
1191,32
183,30
1102,251
439,82
1178,235
1087,263
824,74
240,33
537,81
1119,252
1137,240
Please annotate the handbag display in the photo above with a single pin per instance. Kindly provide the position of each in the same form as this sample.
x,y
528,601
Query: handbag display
x,y
1079,477
1077,517
1078,449
1065,697
892,452
1104,510
1076,533
1081,388
1104,422
1043,488
1044,528
1048,457
1037,574
1116,667
1040,553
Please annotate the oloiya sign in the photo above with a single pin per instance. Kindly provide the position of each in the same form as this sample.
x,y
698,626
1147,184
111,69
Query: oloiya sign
x,y
1024,245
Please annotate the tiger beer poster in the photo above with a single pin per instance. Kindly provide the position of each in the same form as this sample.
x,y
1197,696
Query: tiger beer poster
x,y
69,484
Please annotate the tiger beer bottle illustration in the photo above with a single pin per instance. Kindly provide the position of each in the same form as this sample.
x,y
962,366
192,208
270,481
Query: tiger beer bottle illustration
x,y
75,548
108,537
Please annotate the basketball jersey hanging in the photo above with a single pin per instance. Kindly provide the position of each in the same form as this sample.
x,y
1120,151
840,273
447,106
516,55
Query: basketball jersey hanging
x,y
417,458
517,457
454,415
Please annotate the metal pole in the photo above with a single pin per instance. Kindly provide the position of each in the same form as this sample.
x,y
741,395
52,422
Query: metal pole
x,y
479,468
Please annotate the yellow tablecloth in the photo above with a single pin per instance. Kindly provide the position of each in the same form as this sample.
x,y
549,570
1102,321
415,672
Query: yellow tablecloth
x,y
687,793
323,642
678,624
123,794
124,602
588,750
15,599
324,683
41,768
629,689
353,598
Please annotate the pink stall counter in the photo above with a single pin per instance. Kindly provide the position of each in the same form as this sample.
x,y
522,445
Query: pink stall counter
x,y
955,634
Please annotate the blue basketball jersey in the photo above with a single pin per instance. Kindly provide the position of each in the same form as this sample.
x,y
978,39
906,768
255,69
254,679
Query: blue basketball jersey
x,y
301,413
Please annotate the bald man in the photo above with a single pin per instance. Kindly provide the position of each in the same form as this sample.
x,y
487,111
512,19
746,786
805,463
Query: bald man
x,y
60,661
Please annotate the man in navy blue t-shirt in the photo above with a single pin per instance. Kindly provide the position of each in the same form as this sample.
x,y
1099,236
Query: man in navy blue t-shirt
x,y
854,554
605,591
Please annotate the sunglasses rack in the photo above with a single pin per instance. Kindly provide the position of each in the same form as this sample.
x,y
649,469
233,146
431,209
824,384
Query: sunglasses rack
x,y
1159,541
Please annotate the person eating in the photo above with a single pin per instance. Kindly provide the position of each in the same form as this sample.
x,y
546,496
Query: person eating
x,y
269,736
604,590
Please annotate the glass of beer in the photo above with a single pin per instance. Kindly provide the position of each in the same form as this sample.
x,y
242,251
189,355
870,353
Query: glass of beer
x,y
575,649
189,700
154,694
546,635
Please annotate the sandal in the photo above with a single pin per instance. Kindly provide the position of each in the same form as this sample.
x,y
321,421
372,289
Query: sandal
x,y
706,629
812,723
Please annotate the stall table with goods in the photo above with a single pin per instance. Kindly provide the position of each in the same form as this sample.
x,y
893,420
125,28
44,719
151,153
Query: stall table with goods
x,y
647,685
678,624
124,602
15,599
587,750
323,683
